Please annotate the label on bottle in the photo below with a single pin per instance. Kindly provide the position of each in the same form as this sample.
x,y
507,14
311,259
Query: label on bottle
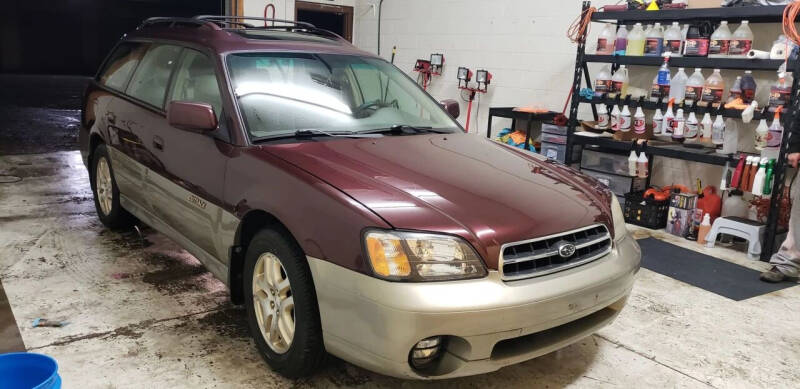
x,y
602,120
748,95
677,130
602,46
696,47
659,91
774,137
625,123
718,46
672,46
657,125
602,86
620,45
691,130
614,122
616,86
639,125
778,96
761,140
711,95
641,169
652,46
740,46
669,122
693,93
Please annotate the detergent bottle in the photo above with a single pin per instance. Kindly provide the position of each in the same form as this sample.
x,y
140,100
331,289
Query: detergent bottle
x,y
635,45
741,40
761,135
602,83
692,127
677,86
712,90
621,41
658,120
673,40
606,39
720,41
639,125
619,82
706,126
642,166
602,117
694,87
654,41
775,132
615,117
625,119
748,87
632,164
718,131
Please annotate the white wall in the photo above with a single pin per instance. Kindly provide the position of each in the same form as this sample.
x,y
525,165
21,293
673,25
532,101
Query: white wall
x,y
524,44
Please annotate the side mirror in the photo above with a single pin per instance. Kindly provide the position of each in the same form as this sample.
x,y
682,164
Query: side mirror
x,y
452,107
191,116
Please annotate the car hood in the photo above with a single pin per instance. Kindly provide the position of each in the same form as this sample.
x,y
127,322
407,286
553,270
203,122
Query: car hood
x,y
460,184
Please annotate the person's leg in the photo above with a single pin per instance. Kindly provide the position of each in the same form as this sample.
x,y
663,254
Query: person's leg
x,y
786,262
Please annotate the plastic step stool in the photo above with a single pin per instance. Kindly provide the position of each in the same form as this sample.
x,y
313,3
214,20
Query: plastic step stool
x,y
739,227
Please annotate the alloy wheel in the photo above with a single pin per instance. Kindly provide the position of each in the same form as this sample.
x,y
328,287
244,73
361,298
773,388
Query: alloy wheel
x,y
103,186
273,303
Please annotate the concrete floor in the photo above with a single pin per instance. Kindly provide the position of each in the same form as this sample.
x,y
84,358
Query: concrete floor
x,y
144,313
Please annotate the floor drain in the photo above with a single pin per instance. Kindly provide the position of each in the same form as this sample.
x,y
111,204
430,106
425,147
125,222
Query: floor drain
x,y
5,179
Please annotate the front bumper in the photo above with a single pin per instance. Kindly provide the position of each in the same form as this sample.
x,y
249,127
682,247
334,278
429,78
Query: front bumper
x,y
489,323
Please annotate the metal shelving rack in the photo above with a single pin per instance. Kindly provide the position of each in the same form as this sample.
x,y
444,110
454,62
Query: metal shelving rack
x,y
754,14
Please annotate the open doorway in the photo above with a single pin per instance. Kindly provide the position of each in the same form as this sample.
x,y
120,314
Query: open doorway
x,y
336,18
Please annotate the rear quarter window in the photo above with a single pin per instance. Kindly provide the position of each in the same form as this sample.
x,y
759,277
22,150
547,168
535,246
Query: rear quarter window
x,y
151,79
120,65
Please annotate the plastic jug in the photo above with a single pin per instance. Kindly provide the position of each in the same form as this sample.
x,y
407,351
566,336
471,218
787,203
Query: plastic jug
x,y
673,40
710,202
602,83
661,87
748,87
694,87
606,39
635,45
736,89
712,90
654,41
741,40
621,41
697,37
720,41
677,86
781,90
619,82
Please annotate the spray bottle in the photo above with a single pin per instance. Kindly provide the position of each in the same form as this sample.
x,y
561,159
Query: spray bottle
x,y
768,177
738,172
775,133
758,181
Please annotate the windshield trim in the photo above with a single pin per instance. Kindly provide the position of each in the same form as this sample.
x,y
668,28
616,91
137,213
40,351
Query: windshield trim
x,y
242,123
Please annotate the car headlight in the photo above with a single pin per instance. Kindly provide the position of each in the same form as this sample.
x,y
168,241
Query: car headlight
x,y
619,219
412,256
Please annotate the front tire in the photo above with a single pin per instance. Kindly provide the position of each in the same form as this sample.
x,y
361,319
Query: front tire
x,y
106,193
281,303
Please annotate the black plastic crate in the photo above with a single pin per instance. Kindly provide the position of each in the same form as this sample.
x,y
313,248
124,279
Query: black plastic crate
x,y
645,212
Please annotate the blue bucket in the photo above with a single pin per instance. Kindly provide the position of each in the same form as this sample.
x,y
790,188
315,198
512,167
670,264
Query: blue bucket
x,y
28,371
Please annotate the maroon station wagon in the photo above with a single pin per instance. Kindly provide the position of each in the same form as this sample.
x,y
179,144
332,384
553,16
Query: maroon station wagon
x,y
343,206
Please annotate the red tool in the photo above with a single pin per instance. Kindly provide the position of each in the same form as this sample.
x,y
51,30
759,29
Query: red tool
x,y
429,68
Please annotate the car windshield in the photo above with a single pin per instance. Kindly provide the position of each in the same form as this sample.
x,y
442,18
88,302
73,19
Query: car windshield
x,y
281,93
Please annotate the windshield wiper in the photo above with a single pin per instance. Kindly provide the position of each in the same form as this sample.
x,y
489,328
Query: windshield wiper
x,y
404,129
313,132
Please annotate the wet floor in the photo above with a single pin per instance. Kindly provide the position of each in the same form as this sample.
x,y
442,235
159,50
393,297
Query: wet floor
x,y
39,113
142,312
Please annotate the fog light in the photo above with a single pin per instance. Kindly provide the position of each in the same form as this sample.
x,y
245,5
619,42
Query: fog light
x,y
425,352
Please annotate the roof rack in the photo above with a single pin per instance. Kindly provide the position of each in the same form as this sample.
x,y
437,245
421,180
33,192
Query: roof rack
x,y
288,25
172,21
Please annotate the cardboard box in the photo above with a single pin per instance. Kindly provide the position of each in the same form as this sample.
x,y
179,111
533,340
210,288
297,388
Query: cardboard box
x,y
704,3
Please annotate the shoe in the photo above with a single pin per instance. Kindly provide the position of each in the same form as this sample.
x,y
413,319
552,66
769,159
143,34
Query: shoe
x,y
773,275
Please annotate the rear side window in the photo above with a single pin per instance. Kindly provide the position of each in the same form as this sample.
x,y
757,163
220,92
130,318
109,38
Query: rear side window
x,y
121,64
150,81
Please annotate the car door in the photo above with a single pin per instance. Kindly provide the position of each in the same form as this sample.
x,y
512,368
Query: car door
x,y
186,189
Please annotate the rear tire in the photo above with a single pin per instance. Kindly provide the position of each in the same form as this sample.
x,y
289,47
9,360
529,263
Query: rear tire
x,y
278,288
106,193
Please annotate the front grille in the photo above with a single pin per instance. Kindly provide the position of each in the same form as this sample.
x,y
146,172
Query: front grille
x,y
540,256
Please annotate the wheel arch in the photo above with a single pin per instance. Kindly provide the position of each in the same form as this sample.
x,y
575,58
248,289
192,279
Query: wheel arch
x,y
252,222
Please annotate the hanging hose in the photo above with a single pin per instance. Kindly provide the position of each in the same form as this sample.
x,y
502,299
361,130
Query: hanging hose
x,y
579,29
267,8
789,17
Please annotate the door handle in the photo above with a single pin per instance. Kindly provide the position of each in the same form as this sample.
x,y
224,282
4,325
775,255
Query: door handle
x,y
111,118
158,143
